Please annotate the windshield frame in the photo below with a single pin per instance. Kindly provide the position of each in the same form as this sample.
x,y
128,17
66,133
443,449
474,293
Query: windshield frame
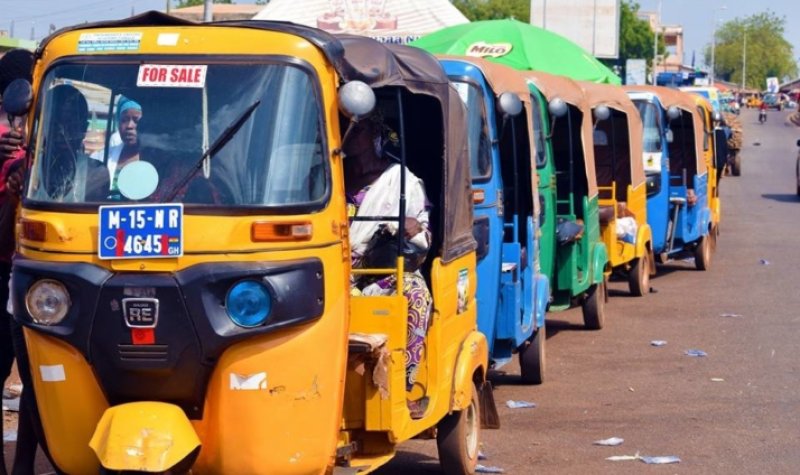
x,y
471,83
189,59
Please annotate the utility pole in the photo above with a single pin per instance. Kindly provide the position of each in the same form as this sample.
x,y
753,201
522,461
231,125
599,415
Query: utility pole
x,y
714,41
168,5
208,11
744,61
656,27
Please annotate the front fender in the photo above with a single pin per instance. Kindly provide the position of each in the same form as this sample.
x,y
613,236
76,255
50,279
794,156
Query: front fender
x,y
143,437
643,236
599,261
705,221
542,298
472,356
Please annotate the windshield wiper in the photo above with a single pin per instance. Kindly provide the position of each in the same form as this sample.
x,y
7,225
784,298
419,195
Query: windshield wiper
x,y
221,141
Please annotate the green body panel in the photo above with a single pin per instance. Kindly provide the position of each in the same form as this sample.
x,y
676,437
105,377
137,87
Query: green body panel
x,y
572,268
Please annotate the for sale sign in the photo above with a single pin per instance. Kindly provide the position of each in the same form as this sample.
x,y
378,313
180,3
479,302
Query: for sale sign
x,y
171,75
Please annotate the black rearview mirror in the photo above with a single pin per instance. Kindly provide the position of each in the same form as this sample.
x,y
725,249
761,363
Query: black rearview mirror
x,y
17,98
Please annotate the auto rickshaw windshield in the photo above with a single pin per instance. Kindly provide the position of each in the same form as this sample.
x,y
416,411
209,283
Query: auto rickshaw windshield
x,y
651,139
477,131
98,117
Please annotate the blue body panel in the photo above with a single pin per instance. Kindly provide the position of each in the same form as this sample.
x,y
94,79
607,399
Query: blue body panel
x,y
512,294
691,222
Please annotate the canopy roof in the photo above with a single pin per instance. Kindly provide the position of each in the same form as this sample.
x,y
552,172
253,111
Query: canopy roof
x,y
378,65
616,98
389,21
687,102
569,91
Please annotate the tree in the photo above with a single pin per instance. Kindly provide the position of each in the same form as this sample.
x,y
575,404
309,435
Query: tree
x,y
769,54
192,3
635,37
477,10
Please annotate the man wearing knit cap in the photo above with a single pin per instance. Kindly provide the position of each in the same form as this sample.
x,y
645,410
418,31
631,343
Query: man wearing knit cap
x,y
16,64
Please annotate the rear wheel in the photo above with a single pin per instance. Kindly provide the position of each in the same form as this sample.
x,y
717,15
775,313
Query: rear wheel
x,y
594,307
702,253
639,276
532,358
736,167
458,438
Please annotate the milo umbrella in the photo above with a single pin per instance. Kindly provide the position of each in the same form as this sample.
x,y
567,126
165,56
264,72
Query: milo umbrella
x,y
520,46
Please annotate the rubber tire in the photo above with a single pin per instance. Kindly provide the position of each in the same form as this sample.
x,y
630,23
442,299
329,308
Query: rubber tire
x,y
532,361
639,276
457,455
736,167
594,304
702,253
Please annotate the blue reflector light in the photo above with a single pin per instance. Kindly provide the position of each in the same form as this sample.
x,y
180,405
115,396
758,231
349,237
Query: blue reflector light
x,y
248,303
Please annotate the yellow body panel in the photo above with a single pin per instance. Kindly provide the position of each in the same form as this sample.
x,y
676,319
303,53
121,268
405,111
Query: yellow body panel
x,y
69,407
143,436
621,253
455,352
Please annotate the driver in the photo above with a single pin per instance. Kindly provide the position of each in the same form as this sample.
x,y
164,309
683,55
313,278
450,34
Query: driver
x,y
66,173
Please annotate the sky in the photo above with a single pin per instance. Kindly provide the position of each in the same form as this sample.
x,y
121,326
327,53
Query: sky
x,y
39,14
697,18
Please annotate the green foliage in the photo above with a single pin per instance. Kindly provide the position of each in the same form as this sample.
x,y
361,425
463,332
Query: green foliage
x,y
635,37
192,3
768,51
477,10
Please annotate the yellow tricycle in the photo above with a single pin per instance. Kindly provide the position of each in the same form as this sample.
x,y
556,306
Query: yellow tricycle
x,y
191,294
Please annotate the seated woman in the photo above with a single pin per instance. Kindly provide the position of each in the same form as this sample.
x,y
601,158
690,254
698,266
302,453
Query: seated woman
x,y
372,185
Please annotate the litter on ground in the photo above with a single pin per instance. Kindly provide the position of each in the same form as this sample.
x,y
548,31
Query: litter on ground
x,y
520,404
610,442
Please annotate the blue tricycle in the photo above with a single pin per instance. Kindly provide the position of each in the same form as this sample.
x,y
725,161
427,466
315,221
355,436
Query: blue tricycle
x,y
512,292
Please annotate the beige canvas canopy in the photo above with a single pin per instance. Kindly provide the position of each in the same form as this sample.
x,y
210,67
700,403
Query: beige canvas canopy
x,y
686,102
615,98
570,92
505,79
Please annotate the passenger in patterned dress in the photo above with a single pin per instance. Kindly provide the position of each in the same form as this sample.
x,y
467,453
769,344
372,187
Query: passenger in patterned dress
x,y
372,185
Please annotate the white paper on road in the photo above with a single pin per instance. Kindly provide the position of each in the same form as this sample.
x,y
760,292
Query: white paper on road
x,y
660,460
610,442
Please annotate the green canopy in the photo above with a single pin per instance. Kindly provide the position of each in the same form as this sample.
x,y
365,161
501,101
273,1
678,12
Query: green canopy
x,y
520,46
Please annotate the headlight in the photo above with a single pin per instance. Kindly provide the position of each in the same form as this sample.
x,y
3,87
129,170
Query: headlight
x,y
48,302
248,303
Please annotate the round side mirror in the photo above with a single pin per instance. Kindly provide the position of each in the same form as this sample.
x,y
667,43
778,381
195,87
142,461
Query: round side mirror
x,y
17,97
356,99
717,116
509,104
673,113
557,107
601,112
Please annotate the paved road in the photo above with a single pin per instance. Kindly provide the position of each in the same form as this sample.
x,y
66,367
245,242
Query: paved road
x,y
613,383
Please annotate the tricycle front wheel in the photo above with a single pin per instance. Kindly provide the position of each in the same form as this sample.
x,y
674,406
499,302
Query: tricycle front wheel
x,y
702,253
458,438
639,277
594,307
736,166
531,358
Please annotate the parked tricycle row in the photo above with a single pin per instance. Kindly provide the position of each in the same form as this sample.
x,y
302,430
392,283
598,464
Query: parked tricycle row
x,y
255,247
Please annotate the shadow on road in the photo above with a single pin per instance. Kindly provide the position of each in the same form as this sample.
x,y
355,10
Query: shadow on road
x,y
781,197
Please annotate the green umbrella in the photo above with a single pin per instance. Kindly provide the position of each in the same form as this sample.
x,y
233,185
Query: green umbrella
x,y
520,46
